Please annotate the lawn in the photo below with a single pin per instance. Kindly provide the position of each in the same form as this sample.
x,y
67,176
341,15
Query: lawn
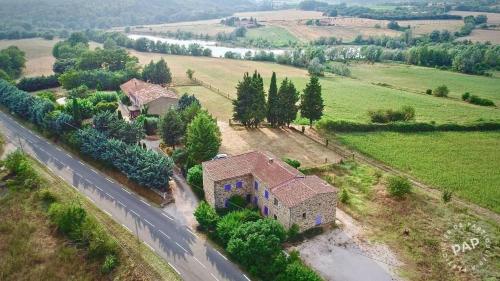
x,y
419,79
466,163
278,36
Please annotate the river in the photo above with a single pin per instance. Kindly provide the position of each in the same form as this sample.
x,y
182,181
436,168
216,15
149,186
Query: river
x,y
217,50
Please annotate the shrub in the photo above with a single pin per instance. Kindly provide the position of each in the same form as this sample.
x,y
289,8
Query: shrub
x,y
31,84
228,224
398,186
407,113
292,162
236,202
480,101
109,264
18,164
428,92
195,179
293,233
441,91
206,216
46,196
466,96
344,196
447,195
296,271
68,218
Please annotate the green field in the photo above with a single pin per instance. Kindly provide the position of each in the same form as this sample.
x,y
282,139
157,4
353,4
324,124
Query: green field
x,y
345,98
415,78
278,36
466,163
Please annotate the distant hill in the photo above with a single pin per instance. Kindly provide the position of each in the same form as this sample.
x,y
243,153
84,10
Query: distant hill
x,y
81,14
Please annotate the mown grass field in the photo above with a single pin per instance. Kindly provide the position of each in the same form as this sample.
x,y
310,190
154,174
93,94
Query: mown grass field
x,y
466,163
38,54
415,78
345,98
274,34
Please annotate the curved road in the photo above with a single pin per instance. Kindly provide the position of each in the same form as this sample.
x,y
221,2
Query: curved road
x,y
191,257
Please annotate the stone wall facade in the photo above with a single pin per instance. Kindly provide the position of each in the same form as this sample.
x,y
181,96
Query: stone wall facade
x,y
321,206
254,191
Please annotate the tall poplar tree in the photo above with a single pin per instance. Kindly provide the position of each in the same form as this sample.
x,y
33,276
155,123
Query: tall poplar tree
x,y
273,104
312,106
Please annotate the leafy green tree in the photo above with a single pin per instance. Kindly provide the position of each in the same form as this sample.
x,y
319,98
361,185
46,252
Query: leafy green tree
x,y
76,112
311,106
206,216
229,223
256,243
441,91
68,218
316,68
12,61
273,105
288,98
186,100
158,73
203,138
171,127
250,105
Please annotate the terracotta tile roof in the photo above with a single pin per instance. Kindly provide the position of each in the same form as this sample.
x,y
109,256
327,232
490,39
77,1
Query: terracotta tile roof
x,y
288,184
145,92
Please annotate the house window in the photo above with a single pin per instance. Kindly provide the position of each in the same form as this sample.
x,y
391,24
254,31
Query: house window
x,y
275,202
239,184
226,203
227,187
303,215
275,217
266,211
256,185
255,200
249,198
266,194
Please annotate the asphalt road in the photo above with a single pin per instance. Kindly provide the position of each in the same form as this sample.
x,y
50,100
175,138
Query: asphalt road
x,y
191,257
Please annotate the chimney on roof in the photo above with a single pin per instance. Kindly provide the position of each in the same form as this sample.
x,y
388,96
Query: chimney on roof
x,y
271,160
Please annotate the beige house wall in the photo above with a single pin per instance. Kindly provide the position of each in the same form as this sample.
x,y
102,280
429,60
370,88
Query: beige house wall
x,y
161,105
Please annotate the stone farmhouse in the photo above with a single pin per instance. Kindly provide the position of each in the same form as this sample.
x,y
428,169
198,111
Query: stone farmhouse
x,y
277,189
143,94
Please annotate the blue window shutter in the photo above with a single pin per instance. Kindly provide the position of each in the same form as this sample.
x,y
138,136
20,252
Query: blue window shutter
x,y
255,200
266,211
239,184
227,187
256,185
266,194
318,220
226,203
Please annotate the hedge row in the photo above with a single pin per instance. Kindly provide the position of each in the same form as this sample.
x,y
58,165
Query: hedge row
x,y
31,84
347,126
145,167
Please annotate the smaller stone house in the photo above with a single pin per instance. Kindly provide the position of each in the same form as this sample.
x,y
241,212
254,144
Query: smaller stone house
x,y
143,94
277,189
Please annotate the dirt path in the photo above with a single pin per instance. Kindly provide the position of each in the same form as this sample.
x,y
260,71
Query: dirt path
x,y
281,142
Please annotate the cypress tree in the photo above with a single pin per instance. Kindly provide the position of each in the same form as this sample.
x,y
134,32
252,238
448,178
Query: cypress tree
x,y
311,101
250,104
273,105
288,98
